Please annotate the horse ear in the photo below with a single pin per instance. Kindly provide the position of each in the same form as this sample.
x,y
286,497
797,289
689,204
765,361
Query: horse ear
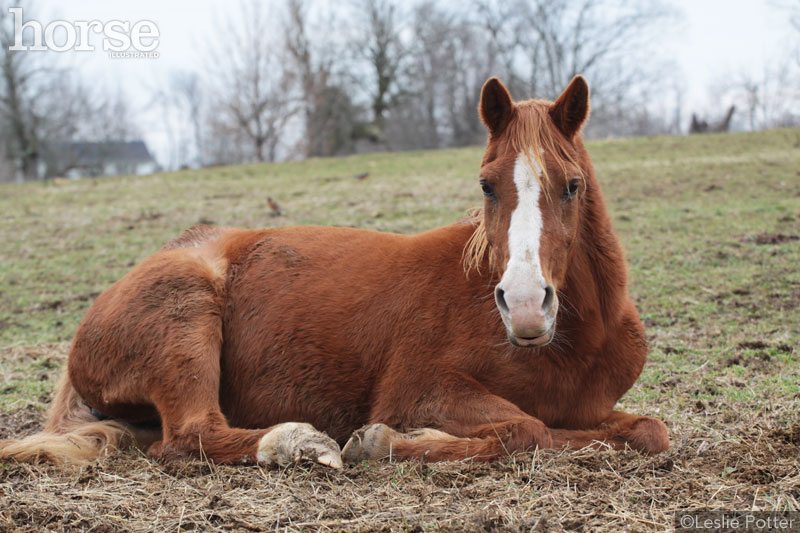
x,y
570,110
496,105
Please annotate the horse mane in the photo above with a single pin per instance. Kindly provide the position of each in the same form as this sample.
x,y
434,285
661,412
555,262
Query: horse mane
x,y
477,245
530,133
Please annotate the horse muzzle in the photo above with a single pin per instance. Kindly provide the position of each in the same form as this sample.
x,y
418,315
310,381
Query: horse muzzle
x,y
530,342
530,319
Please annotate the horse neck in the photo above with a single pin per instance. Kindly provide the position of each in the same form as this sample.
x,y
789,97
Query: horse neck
x,y
597,276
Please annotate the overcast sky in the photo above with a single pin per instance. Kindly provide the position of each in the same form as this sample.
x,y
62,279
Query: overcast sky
x,y
717,37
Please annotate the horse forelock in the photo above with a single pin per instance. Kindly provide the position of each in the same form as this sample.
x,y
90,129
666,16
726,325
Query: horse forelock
x,y
533,134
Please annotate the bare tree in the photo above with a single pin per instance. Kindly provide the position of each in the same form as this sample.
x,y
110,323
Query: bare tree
x,y
439,82
417,121
19,92
380,45
582,37
749,89
543,44
469,70
251,91
313,71
182,103
506,43
773,98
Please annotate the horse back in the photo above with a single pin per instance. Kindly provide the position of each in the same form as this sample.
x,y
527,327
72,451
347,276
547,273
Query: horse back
x,y
195,237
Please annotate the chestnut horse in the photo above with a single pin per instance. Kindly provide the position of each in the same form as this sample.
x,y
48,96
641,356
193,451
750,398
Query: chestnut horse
x,y
503,332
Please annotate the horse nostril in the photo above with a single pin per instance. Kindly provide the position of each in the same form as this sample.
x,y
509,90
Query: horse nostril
x,y
548,298
499,298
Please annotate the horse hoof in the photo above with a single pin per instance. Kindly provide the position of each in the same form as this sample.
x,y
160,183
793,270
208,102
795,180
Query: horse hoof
x,y
289,442
370,443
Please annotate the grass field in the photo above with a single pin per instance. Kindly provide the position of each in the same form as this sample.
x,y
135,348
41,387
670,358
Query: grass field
x,y
711,225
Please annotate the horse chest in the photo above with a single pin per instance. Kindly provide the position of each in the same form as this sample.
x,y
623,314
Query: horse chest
x,y
559,396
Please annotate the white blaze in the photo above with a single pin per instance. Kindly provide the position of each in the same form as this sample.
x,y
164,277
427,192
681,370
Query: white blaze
x,y
523,278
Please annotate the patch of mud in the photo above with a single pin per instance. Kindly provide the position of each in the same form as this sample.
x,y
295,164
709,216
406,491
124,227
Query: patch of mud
x,y
22,422
59,304
790,435
759,362
774,238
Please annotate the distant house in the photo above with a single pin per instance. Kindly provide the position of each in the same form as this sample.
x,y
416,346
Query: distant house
x,y
84,159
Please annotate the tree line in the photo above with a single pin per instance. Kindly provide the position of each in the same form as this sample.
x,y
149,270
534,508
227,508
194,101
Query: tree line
x,y
374,75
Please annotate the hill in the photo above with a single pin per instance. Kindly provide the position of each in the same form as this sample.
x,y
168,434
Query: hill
x,y
711,225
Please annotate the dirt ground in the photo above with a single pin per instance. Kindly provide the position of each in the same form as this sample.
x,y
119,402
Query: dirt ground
x,y
719,460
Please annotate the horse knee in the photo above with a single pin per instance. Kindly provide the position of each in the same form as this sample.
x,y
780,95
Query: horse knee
x,y
532,433
520,434
648,435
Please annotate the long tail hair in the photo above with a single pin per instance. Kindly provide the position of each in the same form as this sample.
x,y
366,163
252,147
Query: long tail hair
x,y
72,434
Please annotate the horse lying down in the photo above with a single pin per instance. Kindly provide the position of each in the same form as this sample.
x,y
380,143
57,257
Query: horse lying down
x,y
509,330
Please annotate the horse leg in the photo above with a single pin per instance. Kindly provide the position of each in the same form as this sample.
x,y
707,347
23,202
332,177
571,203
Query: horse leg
x,y
469,422
478,425
193,425
642,433
149,347
379,441
186,395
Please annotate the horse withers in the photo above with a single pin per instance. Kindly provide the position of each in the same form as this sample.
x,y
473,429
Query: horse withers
x,y
506,331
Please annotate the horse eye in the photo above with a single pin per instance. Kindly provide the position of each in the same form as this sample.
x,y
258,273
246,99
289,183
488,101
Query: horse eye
x,y
487,188
571,189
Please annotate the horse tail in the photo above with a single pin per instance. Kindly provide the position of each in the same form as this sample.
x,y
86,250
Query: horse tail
x,y
72,434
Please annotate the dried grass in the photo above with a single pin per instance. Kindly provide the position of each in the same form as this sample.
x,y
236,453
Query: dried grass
x,y
722,458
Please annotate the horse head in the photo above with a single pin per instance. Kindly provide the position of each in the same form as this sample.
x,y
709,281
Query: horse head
x,y
533,179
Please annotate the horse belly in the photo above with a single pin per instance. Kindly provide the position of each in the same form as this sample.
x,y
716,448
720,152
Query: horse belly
x,y
293,348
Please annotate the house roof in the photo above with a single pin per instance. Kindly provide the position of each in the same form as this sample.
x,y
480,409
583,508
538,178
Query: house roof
x,y
88,153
